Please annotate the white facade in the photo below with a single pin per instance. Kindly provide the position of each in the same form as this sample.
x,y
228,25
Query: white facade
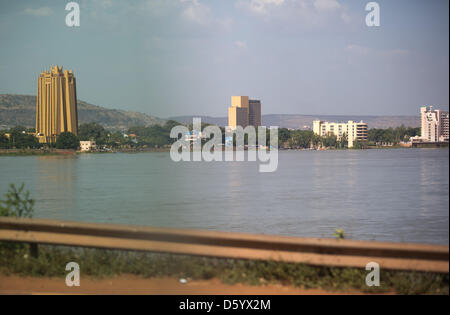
x,y
87,146
434,125
353,130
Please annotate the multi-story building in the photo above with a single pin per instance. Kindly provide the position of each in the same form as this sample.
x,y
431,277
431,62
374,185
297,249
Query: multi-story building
x,y
354,131
87,146
434,125
254,113
238,112
56,106
244,112
443,133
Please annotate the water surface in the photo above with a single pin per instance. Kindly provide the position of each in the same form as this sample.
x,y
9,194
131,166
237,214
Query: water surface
x,y
397,195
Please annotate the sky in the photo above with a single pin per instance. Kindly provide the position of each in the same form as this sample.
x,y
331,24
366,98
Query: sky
x,y
187,57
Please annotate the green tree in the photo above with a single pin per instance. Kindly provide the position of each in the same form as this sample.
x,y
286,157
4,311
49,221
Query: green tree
x,y
17,203
283,135
21,138
343,143
93,131
4,142
67,140
301,139
357,145
330,141
155,135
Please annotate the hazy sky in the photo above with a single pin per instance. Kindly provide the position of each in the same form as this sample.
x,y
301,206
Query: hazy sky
x,y
183,57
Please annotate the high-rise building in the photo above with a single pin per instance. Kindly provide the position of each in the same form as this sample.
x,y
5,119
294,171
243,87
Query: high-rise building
x,y
56,105
444,133
244,112
238,112
354,131
434,125
254,113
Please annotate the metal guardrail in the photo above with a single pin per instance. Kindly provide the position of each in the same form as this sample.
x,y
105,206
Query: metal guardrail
x,y
313,251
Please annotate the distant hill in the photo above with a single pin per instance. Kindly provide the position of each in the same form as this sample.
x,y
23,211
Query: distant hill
x,y
21,110
305,121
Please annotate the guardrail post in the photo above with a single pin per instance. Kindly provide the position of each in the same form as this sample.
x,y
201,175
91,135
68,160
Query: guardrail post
x,y
34,250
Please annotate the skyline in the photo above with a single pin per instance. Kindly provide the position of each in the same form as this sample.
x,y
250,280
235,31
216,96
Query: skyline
x,y
185,57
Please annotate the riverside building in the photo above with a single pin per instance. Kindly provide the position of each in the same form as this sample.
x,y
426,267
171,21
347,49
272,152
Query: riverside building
x,y
434,125
244,112
355,131
56,105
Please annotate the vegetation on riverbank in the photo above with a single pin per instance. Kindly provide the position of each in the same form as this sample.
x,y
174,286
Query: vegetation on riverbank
x,y
106,263
158,136
140,138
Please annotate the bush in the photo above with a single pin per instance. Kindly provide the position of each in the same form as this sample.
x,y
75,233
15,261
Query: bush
x,y
17,204
67,140
4,142
93,131
20,138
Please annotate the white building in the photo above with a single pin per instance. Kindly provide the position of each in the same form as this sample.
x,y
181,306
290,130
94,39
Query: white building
x,y
353,130
87,146
434,125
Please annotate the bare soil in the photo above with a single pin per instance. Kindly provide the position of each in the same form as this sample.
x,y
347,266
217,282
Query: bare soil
x,y
129,284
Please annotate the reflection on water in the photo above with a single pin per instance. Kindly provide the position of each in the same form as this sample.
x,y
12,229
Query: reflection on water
x,y
56,180
390,195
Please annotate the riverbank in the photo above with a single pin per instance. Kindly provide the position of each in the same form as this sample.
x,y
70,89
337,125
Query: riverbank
x,y
135,285
50,152
147,268
31,152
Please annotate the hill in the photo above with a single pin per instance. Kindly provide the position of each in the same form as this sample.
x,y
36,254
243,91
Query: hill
x,y
305,121
21,110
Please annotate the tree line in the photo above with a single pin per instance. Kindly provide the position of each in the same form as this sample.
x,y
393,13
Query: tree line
x,y
19,138
392,135
157,136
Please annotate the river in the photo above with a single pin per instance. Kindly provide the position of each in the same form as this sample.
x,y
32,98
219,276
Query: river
x,y
399,195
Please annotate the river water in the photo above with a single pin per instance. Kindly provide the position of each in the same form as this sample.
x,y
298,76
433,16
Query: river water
x,y
399,195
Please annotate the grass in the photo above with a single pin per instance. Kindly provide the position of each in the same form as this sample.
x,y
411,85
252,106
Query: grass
x,y
15,259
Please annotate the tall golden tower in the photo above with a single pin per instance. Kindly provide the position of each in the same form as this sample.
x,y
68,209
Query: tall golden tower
x,y
56,106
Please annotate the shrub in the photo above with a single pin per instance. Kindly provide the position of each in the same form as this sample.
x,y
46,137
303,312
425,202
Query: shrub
x,y
17,204
67,140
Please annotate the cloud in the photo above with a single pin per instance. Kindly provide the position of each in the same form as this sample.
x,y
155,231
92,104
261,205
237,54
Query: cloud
x,y
326,4
345,17
197,12
240,44
357,53
43,11
306,12
357,50
105,3
259,7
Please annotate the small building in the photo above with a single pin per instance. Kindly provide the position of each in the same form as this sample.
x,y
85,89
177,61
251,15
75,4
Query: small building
x,y
87,146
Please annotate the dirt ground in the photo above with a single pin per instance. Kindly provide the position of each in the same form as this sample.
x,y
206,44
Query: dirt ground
x,y
128,284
